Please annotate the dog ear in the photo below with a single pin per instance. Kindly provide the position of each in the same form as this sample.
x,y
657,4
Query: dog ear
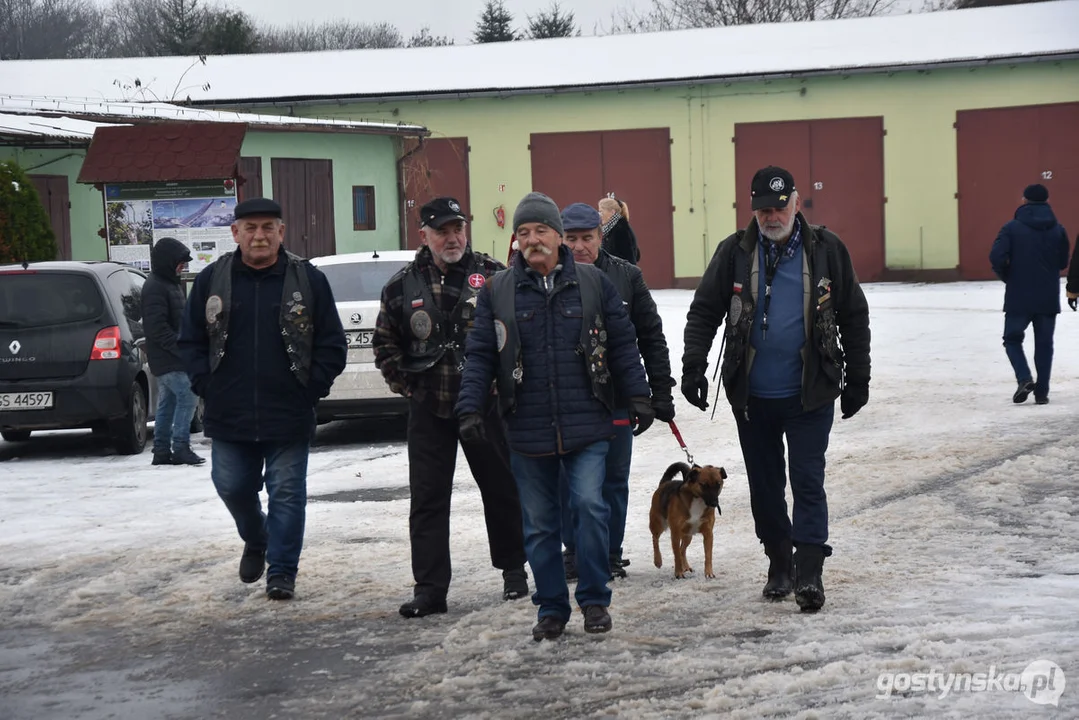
x,y
723,473
694,474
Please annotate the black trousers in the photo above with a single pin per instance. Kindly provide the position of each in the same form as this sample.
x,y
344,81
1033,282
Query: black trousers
x,y
806,433
432,456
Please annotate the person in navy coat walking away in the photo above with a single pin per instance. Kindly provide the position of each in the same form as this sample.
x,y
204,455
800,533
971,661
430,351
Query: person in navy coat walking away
x,y
1028,255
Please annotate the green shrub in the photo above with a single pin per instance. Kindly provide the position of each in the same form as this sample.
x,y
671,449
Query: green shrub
x,y
25,230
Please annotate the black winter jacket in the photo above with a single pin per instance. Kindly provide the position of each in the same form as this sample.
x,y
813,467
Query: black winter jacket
x,y
621,242
643,313
254,395
1028,255
835,354
163,306
1073,271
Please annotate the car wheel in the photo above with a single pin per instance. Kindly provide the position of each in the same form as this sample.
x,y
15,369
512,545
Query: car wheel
x,y
15,435
196,420
129,432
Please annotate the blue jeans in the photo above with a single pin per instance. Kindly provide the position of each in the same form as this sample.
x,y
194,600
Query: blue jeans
x,y
176,404
1015,326
238,477
615,490
541,511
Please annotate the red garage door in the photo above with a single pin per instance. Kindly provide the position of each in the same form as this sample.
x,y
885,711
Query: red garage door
x,y
633,164
439,169
1000,152
838,167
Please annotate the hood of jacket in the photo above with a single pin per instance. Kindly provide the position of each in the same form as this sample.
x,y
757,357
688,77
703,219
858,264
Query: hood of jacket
x,y
1036,215
166,254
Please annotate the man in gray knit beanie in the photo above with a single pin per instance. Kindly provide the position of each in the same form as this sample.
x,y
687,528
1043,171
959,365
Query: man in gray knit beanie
x,y
537,207
537,227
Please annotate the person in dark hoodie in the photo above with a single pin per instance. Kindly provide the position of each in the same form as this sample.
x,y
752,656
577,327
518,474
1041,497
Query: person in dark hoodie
x,y
262,342
162,310
1028,255
618,237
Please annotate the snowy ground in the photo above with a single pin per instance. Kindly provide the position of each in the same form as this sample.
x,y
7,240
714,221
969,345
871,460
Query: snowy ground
x,y
955,522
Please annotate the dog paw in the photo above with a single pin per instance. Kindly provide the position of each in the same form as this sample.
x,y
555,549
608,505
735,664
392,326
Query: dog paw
x,y
710,575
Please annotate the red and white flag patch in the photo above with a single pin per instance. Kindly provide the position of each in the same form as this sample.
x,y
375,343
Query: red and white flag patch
x,y
738,287
418,302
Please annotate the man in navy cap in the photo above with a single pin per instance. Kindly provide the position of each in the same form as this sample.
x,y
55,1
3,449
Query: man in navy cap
x,y
584,237
788,292
1028,255
427,309
262,342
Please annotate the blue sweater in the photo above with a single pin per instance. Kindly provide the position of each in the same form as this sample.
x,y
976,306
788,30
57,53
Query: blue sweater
x,y
777,366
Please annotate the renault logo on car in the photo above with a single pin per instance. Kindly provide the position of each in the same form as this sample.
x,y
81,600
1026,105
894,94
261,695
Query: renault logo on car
x,y
14,347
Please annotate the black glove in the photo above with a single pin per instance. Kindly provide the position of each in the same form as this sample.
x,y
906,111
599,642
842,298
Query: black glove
x,y
471,428
1073,302
695,389
853,399
641,414
664,408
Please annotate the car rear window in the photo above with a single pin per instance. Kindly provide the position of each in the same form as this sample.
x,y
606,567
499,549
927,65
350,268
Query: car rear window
x,y
41,299
358,281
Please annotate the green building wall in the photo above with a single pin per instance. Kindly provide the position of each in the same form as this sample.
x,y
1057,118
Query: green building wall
x,y
918,107
358,159
87,207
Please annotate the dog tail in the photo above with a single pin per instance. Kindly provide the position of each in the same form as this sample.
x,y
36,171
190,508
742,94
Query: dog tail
x,y
674,469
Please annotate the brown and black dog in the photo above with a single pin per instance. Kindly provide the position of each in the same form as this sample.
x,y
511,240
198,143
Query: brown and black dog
x,y
686,507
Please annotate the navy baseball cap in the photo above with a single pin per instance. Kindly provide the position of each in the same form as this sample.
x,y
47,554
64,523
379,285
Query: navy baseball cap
x,y
580,216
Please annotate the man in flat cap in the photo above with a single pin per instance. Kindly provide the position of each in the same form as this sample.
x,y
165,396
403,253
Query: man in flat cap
x,y
262,342
1028,255
427,310
797,338
557,342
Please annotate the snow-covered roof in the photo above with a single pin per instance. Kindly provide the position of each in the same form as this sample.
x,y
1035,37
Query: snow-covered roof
x,y
43,107
47,128
1011,32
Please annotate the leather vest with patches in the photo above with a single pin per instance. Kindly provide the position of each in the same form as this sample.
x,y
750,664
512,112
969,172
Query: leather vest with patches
x,y
431,334
592,346
297,327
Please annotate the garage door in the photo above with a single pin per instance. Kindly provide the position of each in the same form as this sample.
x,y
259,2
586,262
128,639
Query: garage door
x,y
633,164
438,169
838,167
1000,152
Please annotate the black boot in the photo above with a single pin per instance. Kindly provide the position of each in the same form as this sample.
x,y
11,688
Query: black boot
x,y
780,570
808,588
183,455
162,457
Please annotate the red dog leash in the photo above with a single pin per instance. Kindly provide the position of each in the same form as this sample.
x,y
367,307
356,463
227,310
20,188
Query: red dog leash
x,y
678,437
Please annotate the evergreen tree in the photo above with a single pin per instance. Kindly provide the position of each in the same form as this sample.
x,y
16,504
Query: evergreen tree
x,y
228,32
552,23
495,24
181,27
25,230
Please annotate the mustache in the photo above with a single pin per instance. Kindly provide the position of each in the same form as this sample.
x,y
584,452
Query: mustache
x,y
530,250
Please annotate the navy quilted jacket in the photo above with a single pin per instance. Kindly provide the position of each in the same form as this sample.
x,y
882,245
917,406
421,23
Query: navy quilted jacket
x,y
556,411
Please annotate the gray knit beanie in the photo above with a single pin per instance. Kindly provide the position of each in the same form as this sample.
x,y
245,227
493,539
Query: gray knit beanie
x,y
537,207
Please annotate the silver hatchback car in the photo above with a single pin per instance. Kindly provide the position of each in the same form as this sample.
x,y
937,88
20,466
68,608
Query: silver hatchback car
x,y
357,280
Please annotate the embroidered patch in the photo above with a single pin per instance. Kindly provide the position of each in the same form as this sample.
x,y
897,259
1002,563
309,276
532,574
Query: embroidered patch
x,y
421,325
738,287
500,334
418,302
477,280
214,305
736,310
776,184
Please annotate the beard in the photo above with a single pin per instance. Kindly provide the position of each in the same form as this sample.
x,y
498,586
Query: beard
x,y
779,233
450,257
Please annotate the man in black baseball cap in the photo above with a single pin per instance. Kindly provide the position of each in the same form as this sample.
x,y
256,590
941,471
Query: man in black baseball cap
x,y
772,188
440,211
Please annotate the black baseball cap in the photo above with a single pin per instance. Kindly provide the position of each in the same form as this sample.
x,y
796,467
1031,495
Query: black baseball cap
x,y
440,211
257,206
772,188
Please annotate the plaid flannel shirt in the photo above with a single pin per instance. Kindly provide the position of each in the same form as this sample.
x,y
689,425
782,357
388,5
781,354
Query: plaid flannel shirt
x,y
437,387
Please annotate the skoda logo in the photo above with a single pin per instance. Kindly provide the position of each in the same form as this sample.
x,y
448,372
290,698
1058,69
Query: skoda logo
x,y
776,184
14,347
355,319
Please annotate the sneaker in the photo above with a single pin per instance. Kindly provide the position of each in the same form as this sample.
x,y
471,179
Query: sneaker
x,y
162,457
183,455
515,584
596,619
252,564
1041,400
422,606
569,564
280,587
1023,391
548,628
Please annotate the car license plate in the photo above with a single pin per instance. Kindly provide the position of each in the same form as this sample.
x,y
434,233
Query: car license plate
x,y
360,338
25,401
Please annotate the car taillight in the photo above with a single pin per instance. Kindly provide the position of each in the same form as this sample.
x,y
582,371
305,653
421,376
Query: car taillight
x,y
106,344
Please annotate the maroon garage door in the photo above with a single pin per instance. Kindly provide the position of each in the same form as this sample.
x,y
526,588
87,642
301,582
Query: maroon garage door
x,y
1001,151
633,164
438,169
838,166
